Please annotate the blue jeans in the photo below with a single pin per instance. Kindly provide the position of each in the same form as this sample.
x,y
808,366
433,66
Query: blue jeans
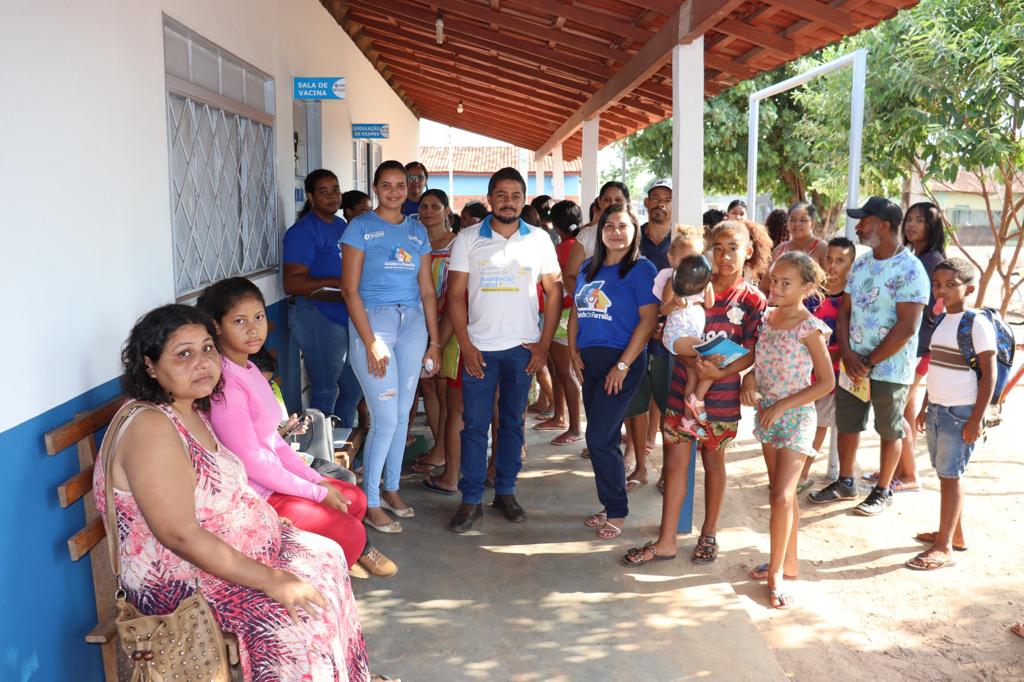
x,y
605,414
944,430
404,331
324,344
505,373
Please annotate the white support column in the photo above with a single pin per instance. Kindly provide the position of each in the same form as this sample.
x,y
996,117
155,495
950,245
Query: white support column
x,y
588,175
538,170
860,69
688,132
557,174
523,165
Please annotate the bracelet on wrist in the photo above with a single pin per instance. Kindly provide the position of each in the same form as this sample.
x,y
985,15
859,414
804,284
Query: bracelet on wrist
x,y
435,343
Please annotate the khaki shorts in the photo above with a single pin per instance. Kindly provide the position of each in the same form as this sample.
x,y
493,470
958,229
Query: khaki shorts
x,y
887,399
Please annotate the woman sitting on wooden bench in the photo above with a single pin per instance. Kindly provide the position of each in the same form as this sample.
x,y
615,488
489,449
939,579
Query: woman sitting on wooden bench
x,y
245,415
187,518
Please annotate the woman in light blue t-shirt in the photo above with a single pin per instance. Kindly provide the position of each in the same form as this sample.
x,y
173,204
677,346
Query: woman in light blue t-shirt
x,y
392,308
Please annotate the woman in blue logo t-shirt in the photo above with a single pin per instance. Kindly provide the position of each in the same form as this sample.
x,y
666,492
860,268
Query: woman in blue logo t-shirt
x,y
613,316
392,307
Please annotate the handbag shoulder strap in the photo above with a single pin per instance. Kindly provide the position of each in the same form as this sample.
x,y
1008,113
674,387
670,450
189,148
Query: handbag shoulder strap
x,y
107,451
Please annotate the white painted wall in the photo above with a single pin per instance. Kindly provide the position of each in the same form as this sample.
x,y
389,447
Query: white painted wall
x,y
85,238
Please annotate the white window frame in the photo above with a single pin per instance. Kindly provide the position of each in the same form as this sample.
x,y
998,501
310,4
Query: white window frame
x,y
252,246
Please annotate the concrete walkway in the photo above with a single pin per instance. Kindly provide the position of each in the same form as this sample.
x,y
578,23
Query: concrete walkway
x,y
546,600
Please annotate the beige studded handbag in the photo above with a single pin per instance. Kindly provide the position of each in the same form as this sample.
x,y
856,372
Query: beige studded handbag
x,y
186,644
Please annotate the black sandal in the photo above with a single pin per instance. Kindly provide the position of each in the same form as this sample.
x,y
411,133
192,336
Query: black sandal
x,y
635,556
706,550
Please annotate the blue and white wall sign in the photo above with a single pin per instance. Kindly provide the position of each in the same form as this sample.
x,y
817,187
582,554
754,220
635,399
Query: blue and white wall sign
x,y
370,131
319,88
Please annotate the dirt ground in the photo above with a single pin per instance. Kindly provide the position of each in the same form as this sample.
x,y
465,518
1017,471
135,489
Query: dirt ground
x,y
861,614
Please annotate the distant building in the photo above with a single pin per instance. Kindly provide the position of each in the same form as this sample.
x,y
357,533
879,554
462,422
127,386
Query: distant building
x,y
473,167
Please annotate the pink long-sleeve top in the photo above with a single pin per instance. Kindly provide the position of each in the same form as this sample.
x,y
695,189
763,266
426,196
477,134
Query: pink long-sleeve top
x,y
245,419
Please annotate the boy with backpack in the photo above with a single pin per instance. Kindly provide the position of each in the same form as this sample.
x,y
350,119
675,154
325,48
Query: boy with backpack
x,y
971,354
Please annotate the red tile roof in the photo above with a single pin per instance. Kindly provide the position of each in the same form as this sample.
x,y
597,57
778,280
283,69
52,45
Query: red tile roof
x,y
968,183
483,160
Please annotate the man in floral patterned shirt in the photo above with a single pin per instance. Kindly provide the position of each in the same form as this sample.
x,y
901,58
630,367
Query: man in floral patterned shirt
x,y
877,329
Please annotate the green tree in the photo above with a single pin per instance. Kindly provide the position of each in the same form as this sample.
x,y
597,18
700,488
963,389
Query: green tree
x,y
946,89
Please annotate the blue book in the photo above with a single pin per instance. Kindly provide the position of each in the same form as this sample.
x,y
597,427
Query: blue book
x,y
729,350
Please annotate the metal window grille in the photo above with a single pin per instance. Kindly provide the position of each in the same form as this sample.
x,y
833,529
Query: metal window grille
x,y
223,198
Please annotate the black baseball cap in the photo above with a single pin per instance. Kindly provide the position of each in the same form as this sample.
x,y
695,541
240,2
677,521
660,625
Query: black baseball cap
x,y
880,208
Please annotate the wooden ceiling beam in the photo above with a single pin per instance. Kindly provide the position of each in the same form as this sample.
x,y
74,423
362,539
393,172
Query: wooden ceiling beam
x,y
507,21
824,13
596,18
339,12
475,77
497,71
471,34
497,66
755,35
690,20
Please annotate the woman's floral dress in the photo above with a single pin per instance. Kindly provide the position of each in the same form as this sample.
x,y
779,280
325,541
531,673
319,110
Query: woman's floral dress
x,y
782,367
328,646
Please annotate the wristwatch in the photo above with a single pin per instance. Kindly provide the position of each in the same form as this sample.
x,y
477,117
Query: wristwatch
x,y
621,366
867,362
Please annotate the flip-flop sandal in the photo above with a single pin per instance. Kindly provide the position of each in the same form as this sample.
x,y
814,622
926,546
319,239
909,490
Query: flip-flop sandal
x,y
636,483
801,487
596,520
567,438
929,538
433,487
873,478
763,568
585,454
928,563
780,599
424,467
549,427
899,486
393,527
608,531
706,545
661,486
635,556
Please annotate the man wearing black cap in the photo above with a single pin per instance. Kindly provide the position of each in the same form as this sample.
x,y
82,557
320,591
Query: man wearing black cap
x,y
877,330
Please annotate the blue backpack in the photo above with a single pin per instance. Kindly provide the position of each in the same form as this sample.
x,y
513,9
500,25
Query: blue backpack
x,y
1006,345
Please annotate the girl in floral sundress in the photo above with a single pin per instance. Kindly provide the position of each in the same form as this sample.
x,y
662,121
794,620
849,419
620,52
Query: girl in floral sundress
x,y
791,344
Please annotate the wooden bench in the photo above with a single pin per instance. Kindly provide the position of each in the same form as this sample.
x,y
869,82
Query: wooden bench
x,y
91,540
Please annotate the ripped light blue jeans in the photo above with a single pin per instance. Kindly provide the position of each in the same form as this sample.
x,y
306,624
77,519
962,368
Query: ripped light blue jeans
x,y
403,329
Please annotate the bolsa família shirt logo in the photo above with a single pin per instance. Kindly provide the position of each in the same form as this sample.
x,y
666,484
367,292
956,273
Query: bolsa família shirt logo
x,y
398,259
591,302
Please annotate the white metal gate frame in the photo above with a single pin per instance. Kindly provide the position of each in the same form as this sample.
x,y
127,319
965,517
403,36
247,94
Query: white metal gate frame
x,y
859,61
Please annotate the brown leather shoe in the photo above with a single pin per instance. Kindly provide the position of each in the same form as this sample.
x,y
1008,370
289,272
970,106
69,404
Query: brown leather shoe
x,y
357,572
508,506
378,565
465,517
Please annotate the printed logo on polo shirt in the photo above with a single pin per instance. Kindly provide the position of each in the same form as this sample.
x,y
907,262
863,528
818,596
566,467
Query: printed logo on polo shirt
x,y
399,259
593,303
373,235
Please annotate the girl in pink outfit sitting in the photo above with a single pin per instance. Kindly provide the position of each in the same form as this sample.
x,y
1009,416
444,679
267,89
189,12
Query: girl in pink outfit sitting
x,y
245,418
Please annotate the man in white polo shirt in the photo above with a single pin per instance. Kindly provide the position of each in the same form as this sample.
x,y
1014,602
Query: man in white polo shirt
x,y
499,262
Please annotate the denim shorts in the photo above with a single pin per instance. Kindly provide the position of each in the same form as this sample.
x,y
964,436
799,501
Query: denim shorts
x,y
944,429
